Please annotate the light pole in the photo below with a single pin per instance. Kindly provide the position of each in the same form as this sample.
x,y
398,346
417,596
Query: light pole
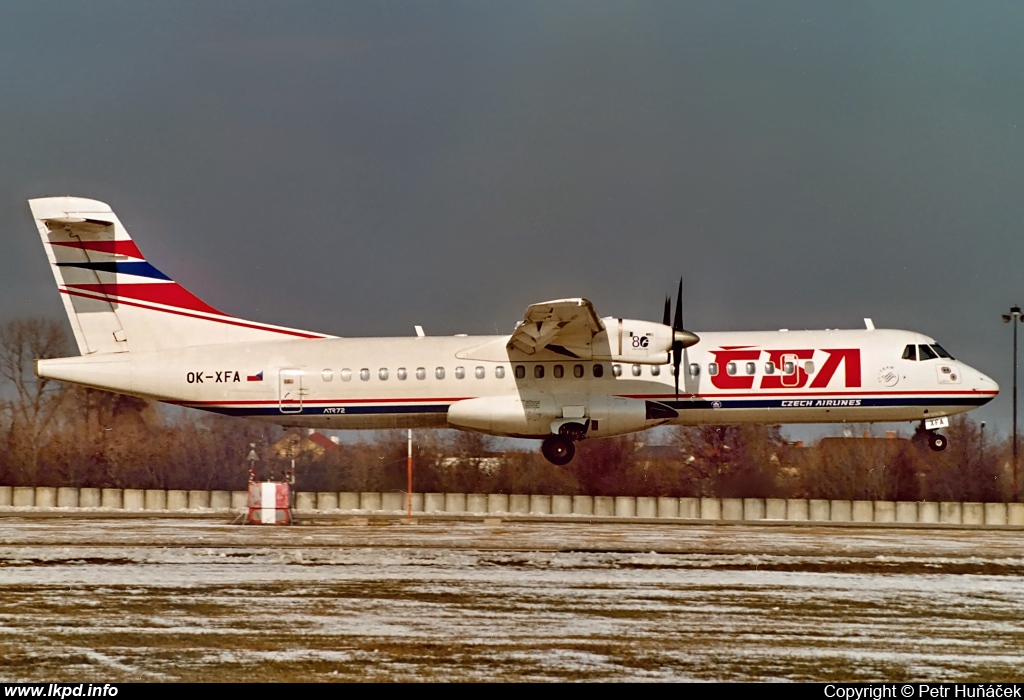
x,y
1013,317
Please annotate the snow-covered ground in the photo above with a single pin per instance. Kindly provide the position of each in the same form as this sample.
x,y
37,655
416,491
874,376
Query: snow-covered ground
x,y
101,601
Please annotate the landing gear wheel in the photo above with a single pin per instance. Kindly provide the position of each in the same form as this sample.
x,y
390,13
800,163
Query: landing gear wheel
x,y
558,450
937,442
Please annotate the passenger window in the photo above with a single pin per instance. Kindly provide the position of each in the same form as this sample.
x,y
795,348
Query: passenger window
x,y
941,352
383,374
910,352
327,374
402,374
538,371
480,373
809,367
730,369
617,370
598,370
712,369
499,372
439,373
694,369
577,371
559,371
346,375
421,372
751,368
769,368
789,368
520,371
926,353
655,370
635,369
460,372
364,374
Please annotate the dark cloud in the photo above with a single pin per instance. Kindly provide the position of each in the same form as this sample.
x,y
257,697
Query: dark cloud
x,y
360,167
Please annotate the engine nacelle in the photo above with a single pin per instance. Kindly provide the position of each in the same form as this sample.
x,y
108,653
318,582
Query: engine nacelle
x,y
629,340
543,415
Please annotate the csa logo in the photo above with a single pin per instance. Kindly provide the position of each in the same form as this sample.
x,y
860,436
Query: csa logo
x,y
888,376
716,404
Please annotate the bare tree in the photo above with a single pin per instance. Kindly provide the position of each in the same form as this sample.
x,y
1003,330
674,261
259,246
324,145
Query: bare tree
x,y
31,402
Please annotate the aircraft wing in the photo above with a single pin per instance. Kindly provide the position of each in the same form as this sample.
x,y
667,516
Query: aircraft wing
x,y
564,326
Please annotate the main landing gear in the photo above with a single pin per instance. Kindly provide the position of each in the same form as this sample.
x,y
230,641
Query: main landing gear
x,y
560,449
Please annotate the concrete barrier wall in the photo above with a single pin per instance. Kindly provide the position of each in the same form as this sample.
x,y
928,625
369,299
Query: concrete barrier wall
x,y
67,497
672,507
134,499
646,507
710,509
753,509
177,500
732,509
775,509
625,507
687,508
111,498
476,502
156,499
583,505
540,505
561,505
604,506
819,509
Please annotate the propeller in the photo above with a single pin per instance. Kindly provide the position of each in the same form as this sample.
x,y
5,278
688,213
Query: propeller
x,y
681,338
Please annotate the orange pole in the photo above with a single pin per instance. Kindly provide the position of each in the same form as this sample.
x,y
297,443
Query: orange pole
x,y
409,469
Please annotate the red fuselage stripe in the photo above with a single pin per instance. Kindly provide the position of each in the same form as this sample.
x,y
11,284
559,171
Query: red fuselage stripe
x,y
228,320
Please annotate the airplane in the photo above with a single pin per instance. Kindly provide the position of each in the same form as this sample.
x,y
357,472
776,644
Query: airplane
x,y
564,374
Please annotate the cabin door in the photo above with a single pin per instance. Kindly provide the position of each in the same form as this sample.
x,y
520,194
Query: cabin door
x,y
289,390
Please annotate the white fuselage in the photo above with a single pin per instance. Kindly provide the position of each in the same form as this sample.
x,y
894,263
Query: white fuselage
x,y
368,383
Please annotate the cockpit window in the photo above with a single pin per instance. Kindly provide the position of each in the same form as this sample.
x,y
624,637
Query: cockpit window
x,y
926,353
910,353
941,352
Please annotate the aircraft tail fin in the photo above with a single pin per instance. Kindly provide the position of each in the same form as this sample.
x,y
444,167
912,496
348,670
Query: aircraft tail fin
x,y
116,300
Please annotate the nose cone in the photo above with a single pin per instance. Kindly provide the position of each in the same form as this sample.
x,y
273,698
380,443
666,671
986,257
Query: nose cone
x,y
985,386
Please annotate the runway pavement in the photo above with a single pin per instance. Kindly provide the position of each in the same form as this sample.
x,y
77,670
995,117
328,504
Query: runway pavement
x,y
96,600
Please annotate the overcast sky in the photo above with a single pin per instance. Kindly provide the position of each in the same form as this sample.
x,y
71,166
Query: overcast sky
x,y
360,167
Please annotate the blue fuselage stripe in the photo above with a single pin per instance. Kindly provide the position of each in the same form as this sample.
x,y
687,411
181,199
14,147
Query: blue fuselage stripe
x,y
682,405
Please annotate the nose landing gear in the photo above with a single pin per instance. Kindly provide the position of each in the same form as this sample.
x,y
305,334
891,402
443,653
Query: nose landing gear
x,y
937,441
930,428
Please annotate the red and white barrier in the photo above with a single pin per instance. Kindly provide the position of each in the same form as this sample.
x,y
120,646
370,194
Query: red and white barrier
x,y
269,503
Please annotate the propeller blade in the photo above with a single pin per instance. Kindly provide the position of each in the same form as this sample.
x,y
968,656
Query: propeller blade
x,y
677,325
668,310
677,346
